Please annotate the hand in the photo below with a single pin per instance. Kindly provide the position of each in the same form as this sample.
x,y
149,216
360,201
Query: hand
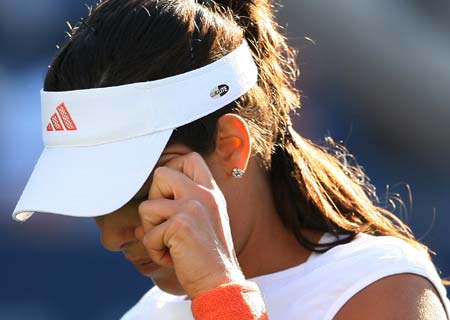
x,y
186,226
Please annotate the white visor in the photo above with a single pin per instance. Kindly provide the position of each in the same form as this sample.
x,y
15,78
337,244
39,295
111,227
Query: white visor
x,y
101,144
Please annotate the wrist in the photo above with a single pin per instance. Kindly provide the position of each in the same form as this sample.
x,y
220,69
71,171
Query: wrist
x,y
216,280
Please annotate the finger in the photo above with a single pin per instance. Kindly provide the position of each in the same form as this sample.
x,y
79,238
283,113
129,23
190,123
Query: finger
x,y
155,212
155,246
194,166
172,184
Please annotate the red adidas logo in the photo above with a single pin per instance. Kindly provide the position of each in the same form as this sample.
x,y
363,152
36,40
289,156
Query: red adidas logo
x,y
61,120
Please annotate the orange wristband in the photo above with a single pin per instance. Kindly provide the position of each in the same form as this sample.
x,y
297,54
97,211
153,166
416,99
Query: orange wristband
x,y
232,300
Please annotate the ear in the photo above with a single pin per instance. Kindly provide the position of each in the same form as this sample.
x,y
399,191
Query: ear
x,y
233,143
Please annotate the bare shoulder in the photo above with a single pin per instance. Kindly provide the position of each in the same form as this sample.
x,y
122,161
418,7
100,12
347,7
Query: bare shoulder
x,y
401,296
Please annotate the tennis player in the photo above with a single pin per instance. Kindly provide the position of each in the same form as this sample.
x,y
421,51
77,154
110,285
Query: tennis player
x,y
168,121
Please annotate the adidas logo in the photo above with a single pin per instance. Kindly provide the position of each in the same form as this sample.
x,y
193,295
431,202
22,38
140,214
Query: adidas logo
x,y
61,120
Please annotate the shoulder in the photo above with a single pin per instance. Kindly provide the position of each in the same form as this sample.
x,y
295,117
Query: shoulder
x,y
369,255
365,245
375,270
401,296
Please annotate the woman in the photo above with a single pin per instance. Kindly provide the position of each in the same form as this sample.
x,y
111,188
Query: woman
x,y
168,121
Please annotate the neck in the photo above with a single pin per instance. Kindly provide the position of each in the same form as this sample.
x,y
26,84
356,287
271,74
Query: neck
x,y
269,246
273,250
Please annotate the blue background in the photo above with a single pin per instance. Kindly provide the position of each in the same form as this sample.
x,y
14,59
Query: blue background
x,y
375,75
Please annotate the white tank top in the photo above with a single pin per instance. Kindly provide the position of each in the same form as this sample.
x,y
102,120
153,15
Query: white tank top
x,y
318,288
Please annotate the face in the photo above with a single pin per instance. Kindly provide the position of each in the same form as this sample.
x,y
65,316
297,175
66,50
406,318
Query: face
x,y
119,229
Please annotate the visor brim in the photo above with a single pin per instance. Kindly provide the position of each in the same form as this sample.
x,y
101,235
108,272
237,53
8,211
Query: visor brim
x,y
90,181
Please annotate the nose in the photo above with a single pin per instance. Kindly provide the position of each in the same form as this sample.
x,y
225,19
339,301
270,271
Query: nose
x,y
116,231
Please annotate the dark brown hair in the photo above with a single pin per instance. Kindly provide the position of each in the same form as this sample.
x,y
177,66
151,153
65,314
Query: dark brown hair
x,y
127,41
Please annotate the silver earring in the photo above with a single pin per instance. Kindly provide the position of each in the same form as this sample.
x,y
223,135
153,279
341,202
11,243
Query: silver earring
x,y
237,173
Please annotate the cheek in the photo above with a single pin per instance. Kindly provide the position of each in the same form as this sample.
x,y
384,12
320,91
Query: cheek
x,y
216,169
118,228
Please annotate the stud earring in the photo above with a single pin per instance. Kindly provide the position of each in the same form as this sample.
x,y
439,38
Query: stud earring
x,y
237,173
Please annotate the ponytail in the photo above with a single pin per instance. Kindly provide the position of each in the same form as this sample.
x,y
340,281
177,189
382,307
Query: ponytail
x,y
313,187
294,208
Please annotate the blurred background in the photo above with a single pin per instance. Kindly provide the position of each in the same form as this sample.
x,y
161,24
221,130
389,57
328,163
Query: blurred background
x,y
374,75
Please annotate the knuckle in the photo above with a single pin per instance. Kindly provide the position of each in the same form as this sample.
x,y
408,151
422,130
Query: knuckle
x,y
159,172
195,156
193,206
146,240
146,212
209,198
152,254
150,238
180,223
143,207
